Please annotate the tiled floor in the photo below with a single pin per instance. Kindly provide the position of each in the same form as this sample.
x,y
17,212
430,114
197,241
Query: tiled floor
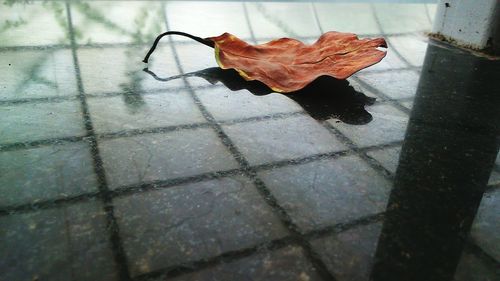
x,y
107,173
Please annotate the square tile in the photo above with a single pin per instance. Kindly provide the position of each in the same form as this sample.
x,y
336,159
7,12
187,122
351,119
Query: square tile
x,y
361,88
143,111
211,19
411,47
349,255
408,104
195,58
272,20
401,17
486,224
153,157
328,192
120,70
387,157
225,104
191,222
471,268
388,125
285,264
394,84
36,74
46,173
19,20
36,121
101,22
281,139
494,178
391,62
66,243
348,17
495,174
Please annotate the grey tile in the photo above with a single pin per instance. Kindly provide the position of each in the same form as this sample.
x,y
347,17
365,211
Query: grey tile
x,y
388,125
387,157
196,58
494,178
212,19
408,104
282,139
486,225
402,17
67,243
225,104
120,70
287,264
361,88
152,157
394,84
191,222
45,173
272,20
24,25
143,111
390,62
470,268
327,192
36,74
495,174
102,22
365,22
29,122
411,47
349,255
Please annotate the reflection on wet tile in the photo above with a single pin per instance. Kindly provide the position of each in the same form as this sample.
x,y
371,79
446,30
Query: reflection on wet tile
x,y
273,20
67,243
339,17
349,254
328,192
225,104
395,84
402,18
45,173
102,21
205,19
152,157
470,268
136,111
190,222
282,139
388,125
35,121
34,74
412,48
287,264
21,18
121,70
486,225
387,157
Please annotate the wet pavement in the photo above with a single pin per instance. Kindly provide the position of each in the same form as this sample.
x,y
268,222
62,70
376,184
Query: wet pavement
x,y
186,172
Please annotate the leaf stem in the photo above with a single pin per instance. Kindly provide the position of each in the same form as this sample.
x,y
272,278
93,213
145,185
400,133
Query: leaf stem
x,y
203,41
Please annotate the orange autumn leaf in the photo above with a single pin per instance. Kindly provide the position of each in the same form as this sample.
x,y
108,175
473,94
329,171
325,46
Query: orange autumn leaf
x,y
287,65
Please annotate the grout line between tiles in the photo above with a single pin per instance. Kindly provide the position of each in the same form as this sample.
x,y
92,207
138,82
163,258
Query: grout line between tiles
x,y
112,224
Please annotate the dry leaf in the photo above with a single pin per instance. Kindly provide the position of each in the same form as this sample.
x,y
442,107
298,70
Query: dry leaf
x,y
287,65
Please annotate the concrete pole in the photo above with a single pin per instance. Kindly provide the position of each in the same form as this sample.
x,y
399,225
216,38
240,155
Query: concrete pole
x,y
469,23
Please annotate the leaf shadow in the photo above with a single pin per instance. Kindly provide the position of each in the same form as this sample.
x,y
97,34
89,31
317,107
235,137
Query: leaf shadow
x,y
324,98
